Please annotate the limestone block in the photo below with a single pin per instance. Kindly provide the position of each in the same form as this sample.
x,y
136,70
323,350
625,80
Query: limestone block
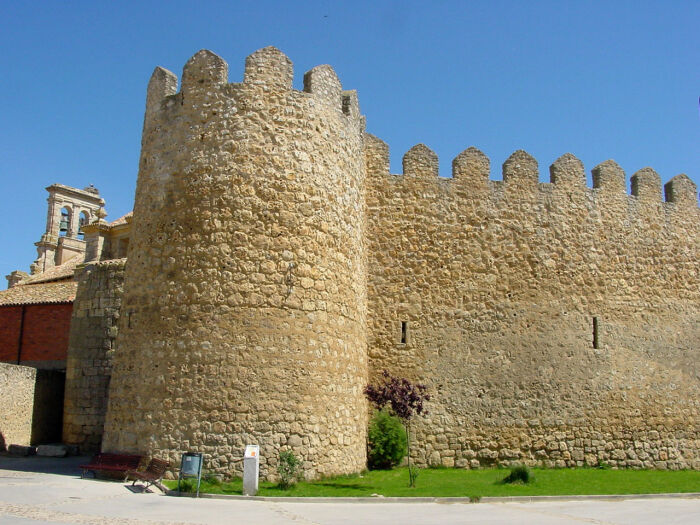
x,y
21,450
55,451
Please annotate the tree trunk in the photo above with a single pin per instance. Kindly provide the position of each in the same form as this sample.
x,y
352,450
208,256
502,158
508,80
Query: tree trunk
x,y
411,482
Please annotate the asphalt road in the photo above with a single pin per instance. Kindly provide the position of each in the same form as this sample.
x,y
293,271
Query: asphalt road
x,y
50,491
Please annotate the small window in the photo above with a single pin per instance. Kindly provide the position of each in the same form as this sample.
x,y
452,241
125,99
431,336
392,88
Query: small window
x,y
404,332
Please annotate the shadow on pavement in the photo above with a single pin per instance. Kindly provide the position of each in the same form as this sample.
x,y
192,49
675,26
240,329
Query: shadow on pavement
x,y
138,489
68,466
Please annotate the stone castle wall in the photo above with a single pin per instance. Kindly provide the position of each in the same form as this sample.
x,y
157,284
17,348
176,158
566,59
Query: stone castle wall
x,y
275,266
96,311
244,310
499,283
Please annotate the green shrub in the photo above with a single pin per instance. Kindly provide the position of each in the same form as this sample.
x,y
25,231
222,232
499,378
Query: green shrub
x,y
519,474
387,441
212,479
287,469
188,485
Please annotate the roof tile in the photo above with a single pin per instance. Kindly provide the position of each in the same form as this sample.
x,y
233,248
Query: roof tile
x,y
42,293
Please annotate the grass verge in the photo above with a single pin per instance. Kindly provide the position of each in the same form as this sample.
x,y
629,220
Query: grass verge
x,y
478,483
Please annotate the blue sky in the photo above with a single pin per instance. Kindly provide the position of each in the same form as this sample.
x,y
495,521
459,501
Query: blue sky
x,y
601,80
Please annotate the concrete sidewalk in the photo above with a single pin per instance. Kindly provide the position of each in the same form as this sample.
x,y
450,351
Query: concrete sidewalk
x,y
44,490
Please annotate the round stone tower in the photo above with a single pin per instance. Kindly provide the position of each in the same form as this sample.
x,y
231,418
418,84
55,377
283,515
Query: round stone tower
x,y
243,318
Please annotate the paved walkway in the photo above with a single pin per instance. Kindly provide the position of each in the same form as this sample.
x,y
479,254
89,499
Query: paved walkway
x,y
50,491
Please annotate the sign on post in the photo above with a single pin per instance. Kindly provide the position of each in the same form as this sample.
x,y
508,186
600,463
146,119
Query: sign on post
x,y
251,468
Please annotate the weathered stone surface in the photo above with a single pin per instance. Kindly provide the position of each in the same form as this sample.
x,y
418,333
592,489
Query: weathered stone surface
x,y
17,385
499,290
90,351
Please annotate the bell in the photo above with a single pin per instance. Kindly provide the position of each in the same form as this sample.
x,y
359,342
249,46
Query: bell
x,y
63,225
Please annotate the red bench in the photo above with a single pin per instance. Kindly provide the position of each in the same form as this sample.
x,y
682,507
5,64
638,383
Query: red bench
x,y
152,475
111,463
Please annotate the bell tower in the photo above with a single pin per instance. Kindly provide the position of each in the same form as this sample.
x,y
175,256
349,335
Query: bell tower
x,y
68,211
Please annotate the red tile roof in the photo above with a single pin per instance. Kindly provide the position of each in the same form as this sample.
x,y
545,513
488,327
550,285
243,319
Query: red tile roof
x,y
65,271
41,293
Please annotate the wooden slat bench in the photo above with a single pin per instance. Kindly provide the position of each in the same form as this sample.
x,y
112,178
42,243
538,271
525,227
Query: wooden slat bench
x,y
152,475
107,462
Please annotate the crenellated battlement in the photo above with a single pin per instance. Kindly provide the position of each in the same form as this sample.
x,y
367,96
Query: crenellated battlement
x,y
269,70
567,173
609,177
203,71
420,162
646,185
681,191
323,82
471,171
520,171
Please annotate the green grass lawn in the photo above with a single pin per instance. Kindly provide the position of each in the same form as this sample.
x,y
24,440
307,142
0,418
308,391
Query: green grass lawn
x,y
479,483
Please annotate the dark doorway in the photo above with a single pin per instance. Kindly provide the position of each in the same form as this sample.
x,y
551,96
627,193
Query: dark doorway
x,y
47,418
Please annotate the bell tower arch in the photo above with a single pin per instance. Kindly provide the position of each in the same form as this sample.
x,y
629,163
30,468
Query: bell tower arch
x,y
68,210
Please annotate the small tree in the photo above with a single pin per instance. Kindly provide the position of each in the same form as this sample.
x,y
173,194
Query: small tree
x,y
406,400
287,469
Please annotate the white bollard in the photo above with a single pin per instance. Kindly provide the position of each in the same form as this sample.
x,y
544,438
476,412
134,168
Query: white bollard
x,y
251,468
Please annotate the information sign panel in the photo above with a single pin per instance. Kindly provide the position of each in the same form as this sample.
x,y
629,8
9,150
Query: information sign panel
x,y
191,467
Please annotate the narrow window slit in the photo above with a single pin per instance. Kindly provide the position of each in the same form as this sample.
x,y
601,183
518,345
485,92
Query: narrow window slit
x,y
596,339
404,331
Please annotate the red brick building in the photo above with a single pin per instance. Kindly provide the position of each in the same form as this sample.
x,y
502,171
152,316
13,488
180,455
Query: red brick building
x,y
35,318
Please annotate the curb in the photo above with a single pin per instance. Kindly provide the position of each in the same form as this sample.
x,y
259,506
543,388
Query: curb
x,y
591,497
445,500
